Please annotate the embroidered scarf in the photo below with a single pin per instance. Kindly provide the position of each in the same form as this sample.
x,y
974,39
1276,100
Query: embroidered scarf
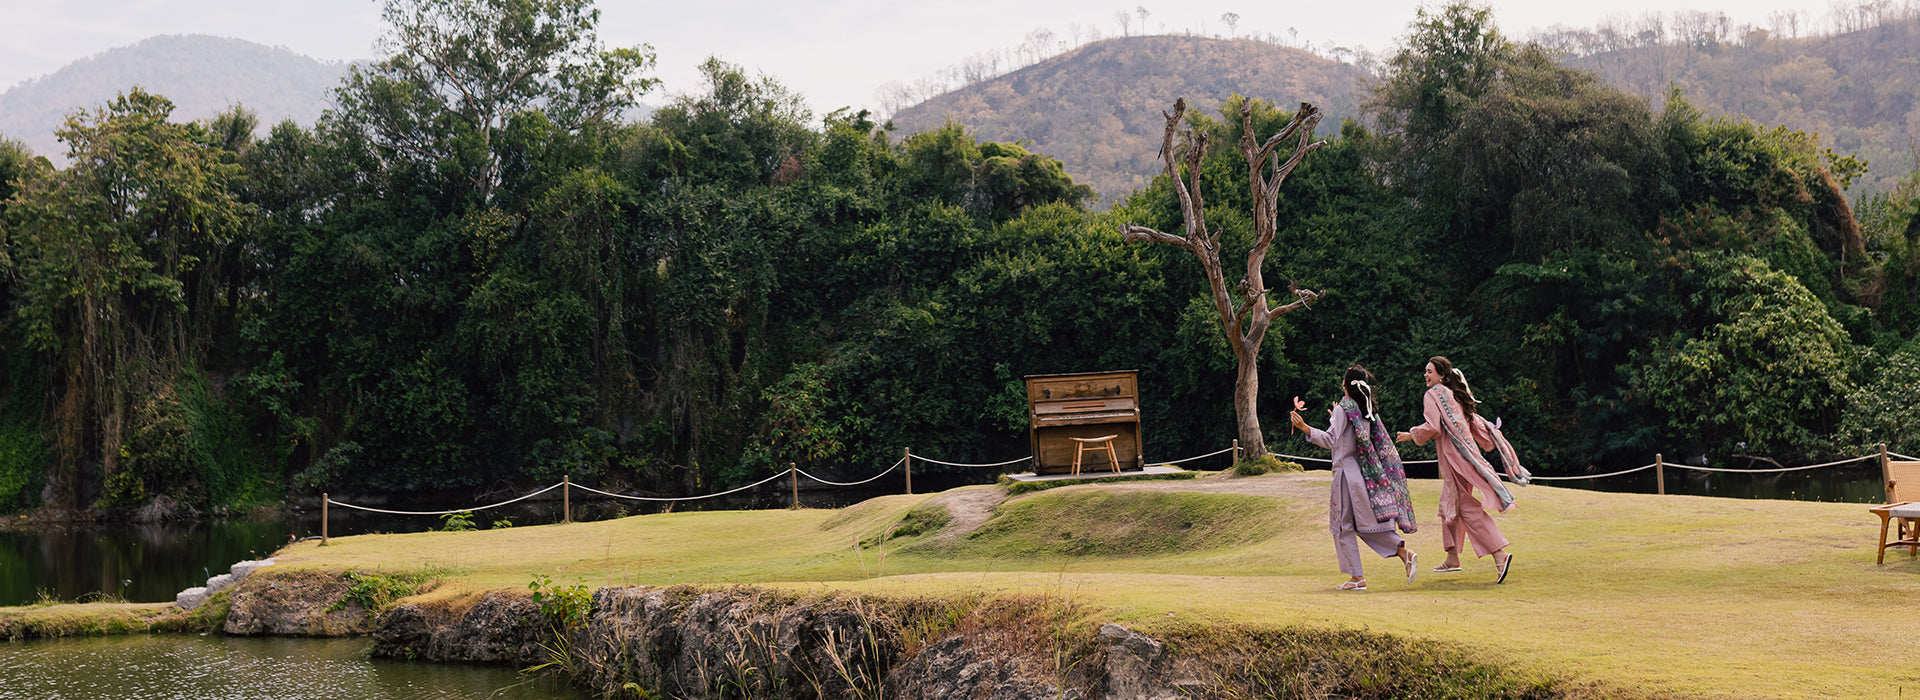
x,y
1380,468
1456,428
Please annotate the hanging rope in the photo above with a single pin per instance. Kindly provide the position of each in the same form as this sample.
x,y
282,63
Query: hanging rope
x,y
955,464
1771,471
1300,459
1189,459
685,498
896,465
1902,457
1589,476
446,512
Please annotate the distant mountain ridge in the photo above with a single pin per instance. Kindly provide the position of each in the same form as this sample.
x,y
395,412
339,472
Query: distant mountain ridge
x,y
1098,108
202,75
1859,89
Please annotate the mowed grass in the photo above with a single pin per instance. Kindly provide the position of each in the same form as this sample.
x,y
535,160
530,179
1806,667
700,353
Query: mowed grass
x,y
1689,595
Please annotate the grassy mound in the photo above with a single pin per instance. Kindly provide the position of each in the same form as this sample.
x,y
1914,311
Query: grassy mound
x,y
1093,523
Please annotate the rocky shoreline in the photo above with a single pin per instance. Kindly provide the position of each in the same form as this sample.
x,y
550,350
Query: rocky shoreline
x,y
692,642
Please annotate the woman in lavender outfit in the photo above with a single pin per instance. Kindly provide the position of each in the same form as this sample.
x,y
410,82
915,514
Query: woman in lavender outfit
x,y
1369,494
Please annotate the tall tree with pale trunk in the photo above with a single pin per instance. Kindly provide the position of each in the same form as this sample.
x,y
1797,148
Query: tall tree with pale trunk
x,y
1245,314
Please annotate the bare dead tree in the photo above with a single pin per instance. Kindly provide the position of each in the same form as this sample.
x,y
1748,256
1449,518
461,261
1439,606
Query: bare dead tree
x,y
1244,312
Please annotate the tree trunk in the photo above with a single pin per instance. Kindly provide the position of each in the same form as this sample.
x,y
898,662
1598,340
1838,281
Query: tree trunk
x,y
1246,407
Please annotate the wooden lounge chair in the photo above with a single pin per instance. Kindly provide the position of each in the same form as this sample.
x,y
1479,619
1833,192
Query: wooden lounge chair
x,y
1903,508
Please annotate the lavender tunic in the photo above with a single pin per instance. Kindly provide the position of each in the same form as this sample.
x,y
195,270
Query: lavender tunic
x,y
1347,505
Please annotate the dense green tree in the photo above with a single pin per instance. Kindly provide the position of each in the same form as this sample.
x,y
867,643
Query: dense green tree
x,y
106,254
1768,376
457,72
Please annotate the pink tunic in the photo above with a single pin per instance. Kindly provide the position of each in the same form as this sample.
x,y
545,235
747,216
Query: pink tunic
x,y
1461,515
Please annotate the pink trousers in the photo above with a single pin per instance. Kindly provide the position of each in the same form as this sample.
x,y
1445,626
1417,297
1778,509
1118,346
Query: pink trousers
x,y
1471,522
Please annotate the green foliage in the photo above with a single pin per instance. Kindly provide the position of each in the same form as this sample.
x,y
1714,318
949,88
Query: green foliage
x,y
115,266
1769,377
461,521
463,70
23,453
566,606
1884,409
375,591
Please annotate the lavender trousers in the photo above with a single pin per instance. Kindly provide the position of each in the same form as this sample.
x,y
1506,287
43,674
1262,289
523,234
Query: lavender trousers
x,y
1340,516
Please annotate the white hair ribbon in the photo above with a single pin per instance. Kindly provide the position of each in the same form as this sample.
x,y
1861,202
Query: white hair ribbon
x,y
1464,385
1369,392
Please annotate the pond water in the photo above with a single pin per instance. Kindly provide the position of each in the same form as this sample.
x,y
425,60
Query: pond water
x,y
142,667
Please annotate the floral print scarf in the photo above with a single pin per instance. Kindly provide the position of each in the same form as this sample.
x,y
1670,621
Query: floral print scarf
x,y
1380,468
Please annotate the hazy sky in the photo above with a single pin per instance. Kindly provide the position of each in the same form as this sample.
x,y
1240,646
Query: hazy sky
x,y
835,52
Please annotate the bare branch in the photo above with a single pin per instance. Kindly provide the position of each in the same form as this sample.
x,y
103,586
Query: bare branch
x,y
1305,300
1131,233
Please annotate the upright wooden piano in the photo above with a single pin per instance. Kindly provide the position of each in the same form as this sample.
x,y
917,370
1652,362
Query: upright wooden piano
x,y
1062,406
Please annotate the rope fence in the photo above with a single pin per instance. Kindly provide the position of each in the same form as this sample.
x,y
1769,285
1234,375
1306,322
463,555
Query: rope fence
x,y
1594,476
957,464
1204,456
793,473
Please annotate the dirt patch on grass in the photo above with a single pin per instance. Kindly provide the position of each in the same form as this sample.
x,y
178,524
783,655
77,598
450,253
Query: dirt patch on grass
x,y
967,509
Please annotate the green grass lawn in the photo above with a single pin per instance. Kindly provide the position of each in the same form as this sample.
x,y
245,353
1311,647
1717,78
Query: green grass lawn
x,y
1683,594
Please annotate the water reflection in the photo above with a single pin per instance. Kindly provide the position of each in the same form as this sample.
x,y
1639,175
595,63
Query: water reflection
x,y
140,667
141,563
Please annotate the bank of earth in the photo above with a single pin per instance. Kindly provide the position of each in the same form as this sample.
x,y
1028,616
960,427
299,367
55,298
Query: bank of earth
x,y
1212,587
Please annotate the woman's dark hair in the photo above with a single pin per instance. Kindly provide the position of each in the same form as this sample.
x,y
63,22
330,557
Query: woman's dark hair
x,y
1457,382
1358,383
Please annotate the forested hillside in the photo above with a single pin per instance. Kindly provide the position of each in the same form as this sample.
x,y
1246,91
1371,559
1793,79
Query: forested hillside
x,y
1857,86
434,289
202,75
1097,108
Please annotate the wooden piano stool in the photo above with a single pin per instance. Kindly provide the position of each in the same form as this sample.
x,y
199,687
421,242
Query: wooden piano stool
x,y
1105,443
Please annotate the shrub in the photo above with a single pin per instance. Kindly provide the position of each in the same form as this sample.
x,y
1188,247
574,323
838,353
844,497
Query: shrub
x,y
1265,464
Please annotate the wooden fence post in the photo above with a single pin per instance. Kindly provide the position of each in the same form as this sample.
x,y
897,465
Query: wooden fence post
x,y
323,516
906,460
1236,450
566,499
794,472
1660,474
1886,473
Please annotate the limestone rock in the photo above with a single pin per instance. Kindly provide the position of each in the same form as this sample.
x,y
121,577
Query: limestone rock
x,y
191,598
504,627
310,604
241,569
1137,665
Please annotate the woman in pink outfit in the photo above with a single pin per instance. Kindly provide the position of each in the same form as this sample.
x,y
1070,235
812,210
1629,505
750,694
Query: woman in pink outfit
x,y
1453,418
